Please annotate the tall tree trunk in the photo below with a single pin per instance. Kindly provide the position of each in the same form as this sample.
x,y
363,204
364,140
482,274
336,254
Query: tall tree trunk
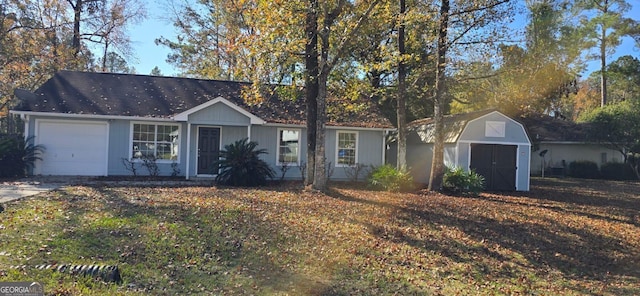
x,y
104,56
401,100
603,65
75,41
437,162
311,87
324,68
320,178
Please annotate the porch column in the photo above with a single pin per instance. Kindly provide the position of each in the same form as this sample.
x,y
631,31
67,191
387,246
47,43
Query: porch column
x,y
188,150
249,133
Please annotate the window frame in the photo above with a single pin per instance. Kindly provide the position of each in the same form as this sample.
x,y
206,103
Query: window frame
x,y
155,124
279,136
357,143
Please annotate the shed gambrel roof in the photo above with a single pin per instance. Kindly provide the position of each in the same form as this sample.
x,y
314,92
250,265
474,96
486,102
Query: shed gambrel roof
x,y
453,126
92,93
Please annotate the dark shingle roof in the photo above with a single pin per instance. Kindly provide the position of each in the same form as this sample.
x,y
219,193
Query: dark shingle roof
x,y
544,128
163,97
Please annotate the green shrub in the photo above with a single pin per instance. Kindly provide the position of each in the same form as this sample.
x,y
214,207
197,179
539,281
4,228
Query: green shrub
x,y
240,165
617,171
388,178
17,155
584,169
459,181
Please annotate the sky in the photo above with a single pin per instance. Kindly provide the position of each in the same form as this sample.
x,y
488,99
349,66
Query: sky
x,y
149,55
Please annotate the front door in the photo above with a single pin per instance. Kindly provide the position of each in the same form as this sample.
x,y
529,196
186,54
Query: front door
x,y
497,164
208,150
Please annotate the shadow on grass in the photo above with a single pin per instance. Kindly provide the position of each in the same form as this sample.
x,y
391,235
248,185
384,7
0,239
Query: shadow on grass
x,y
575,251
584,197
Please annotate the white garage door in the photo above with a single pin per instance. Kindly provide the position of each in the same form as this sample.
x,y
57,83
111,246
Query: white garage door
x,y
72,147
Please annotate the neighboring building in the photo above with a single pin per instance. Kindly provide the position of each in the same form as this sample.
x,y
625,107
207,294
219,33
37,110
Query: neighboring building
x,y
563,142
90,122
488,142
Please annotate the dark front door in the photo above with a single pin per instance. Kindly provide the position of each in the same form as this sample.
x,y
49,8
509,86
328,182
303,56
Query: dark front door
x,y
208,150
497,164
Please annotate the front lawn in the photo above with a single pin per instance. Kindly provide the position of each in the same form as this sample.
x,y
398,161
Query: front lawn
x,y
564,237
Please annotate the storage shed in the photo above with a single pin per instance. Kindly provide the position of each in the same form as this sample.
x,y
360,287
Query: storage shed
x,y
489,142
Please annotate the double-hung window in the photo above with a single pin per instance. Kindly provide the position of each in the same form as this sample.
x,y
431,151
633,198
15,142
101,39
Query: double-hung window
x,y
158,140
288,146
347,148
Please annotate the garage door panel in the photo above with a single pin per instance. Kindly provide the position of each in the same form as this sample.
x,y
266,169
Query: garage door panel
x,y
73,148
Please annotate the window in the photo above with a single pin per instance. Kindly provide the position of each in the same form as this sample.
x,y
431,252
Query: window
x,y
347,148
161,141
494,129
288,146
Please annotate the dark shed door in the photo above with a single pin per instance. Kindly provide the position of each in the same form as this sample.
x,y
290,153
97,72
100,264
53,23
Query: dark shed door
x,y
497,163
208,150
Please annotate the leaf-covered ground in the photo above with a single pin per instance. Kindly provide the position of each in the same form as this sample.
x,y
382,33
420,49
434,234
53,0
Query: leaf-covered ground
x,y
564,237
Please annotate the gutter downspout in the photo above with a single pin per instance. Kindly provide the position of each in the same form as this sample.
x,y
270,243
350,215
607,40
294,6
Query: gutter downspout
x,y
385,133
25,119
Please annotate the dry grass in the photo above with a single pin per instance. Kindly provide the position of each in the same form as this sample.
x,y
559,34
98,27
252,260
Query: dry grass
x,y
564,237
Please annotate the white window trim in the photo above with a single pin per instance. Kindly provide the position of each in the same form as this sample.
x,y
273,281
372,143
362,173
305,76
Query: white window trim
x,y
338,132
297,163
130,157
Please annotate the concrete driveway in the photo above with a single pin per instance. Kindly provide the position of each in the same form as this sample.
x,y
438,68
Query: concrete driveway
x,y
12,190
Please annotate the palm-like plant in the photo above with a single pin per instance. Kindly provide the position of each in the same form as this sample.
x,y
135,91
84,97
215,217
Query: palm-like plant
x,y
240,165
18,155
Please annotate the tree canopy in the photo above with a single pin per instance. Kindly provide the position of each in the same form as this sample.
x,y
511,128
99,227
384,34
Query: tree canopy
x,y
617,125
38,38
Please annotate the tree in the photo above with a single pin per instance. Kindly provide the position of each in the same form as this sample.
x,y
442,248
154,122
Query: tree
x,y
108,27
114,63
617,125
79,7
156,71
33,45
533,77
38,38
214,39
311,86
401,108
624,79
604,24
437,164
326,63
463,23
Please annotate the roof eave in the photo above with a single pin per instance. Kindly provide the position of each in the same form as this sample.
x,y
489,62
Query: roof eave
x,y
88,116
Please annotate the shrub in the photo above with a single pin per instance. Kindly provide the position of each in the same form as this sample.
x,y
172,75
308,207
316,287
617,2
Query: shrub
x,y
617,171
584,169
459,181
240,165
150,162
17,155
388,178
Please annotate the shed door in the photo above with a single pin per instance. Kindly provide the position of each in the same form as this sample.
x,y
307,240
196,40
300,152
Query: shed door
x,y
497,163
72,147
208,150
